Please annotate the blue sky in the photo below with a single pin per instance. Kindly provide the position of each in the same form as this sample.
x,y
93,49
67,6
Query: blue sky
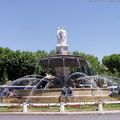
x,y
93,26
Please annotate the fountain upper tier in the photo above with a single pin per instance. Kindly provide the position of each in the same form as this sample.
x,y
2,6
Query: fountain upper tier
x,y
65,61
57,61
62,62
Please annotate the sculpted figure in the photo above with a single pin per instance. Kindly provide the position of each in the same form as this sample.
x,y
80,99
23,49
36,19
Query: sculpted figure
x,y
61,37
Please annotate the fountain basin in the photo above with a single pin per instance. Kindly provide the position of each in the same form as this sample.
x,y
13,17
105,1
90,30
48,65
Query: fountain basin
x,y
57,92
53,96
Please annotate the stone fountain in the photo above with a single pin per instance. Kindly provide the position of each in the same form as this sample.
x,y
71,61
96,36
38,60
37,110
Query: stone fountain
x,y
62,62
50,88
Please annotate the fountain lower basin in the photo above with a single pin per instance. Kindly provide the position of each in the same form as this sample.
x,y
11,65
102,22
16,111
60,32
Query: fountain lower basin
x,y
53,96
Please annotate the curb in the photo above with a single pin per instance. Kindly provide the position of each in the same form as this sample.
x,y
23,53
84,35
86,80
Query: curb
x,y
59,113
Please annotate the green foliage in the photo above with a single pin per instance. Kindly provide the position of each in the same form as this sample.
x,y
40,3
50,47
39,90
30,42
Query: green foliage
x,y
94,63
112,64
4,52
76,53
52,52
15,64
4,77
40,54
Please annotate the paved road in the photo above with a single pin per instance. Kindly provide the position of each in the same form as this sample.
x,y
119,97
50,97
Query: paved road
x,y
115,116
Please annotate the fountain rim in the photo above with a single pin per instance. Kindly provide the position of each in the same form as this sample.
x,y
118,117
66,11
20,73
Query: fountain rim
x,y
58,61
63,56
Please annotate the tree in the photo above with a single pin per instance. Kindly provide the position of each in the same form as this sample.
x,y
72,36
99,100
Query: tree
x,y
112,64
93,62
4,53
4,77
52,52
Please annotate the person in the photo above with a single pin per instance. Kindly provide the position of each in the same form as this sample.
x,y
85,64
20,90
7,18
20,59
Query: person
x,y
63,93
69,91
66,91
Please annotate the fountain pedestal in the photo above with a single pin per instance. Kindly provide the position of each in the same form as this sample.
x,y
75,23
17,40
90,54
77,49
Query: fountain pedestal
x,y
62,50
62,72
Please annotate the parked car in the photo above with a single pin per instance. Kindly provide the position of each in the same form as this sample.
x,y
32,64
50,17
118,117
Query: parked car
x,y
114,90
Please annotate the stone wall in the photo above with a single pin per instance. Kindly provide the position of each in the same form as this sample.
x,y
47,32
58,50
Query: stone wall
x,y
53,96
57,92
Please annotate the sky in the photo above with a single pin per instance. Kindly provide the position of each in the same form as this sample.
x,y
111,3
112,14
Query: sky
x,y
93,26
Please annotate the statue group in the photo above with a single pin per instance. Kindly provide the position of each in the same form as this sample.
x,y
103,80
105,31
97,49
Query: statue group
x,y
61,37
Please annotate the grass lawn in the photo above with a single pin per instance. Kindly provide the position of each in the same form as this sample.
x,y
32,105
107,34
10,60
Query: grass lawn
x,y
11,109
112,107
68,108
